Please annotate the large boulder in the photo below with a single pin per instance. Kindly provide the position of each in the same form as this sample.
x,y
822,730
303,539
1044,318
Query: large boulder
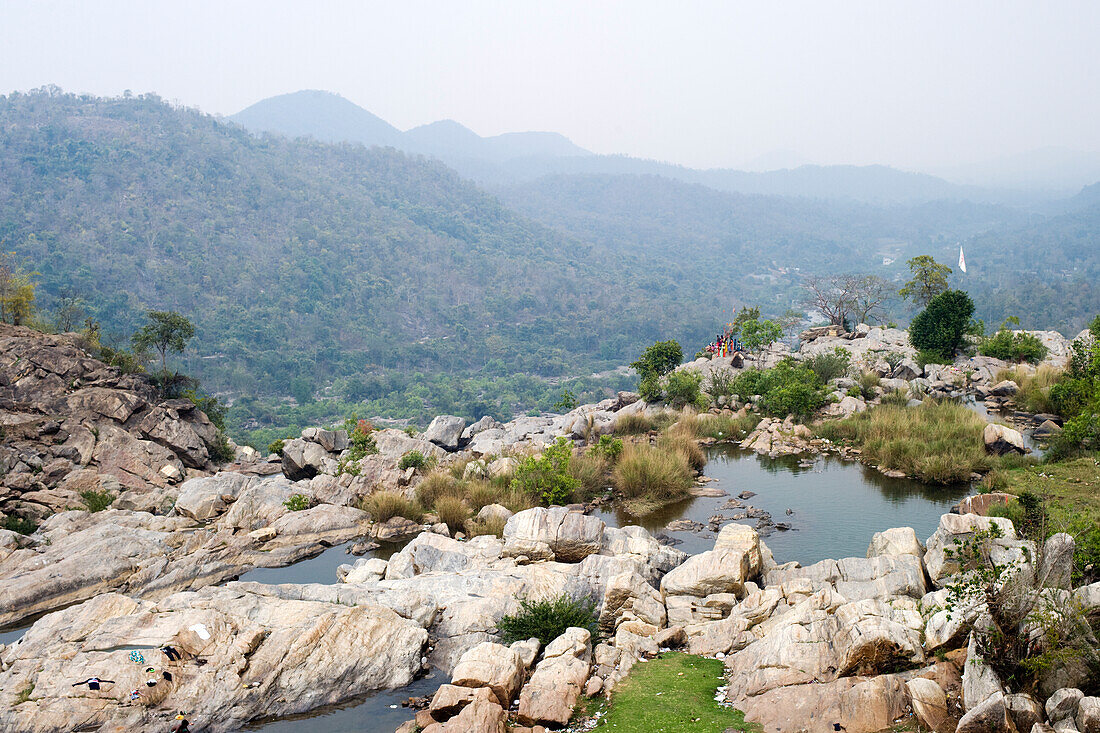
x,y
1000,439
570,536
1062,705
896,541
263,656
991,716
304,459
445,431
204,498
929,702
713,571
979,681
1088,715
394,444
956,528
549,696
491,665
1056,568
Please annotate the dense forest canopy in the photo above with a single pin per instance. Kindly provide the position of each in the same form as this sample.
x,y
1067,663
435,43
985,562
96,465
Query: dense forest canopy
x,y
387,284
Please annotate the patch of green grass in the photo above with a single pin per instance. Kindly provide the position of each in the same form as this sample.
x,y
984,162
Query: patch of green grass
x,y
19,524
674,694
938,442
548,618
1071,491
24,695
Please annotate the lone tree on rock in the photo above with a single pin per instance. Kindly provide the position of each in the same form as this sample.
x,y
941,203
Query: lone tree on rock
x,y
941,326
166,331
929,280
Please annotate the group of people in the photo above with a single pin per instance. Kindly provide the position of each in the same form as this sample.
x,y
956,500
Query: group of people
x,y
724,344
181,724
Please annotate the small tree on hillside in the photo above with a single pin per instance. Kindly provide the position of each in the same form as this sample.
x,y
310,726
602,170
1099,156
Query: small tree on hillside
x,y
869,294
929,280
656,361
831,296
756,335
166,331
940,327
16,291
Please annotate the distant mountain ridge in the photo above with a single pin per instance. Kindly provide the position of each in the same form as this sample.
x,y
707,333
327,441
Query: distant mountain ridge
x,y
518,157
328,117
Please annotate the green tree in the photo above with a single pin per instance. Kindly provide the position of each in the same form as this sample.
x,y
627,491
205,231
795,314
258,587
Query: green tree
x,y
659,359
941,326
16,290
745,315
166,331
756,335
929,280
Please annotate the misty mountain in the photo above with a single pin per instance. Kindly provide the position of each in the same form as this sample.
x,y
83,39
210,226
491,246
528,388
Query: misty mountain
x,y
1057,169
524,156
328,117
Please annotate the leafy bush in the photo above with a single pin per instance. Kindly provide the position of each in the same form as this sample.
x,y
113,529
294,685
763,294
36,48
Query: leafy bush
x,y
412,459
96,501
828,366
452,511
648,477
682,388
277,447
221,452
298,502
941,326
608,447
650,388
548,619
659,359
566,402
789,388
21,525
384,505
719,383
1008,346
1079,436
361,442
547,476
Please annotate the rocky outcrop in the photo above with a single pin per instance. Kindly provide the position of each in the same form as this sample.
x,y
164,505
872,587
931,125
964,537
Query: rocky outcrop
x,y
261,655
64,411
548,698
1001,439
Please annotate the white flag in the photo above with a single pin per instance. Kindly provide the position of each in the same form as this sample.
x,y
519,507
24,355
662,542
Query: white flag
x,y
962,260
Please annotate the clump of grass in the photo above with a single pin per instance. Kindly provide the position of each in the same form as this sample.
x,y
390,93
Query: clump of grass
x,y
24,695
489,526
995,480
895,398
727,427
452,511
634,423
1034,393
938,442
96,501
692,708
648,476
868,381
686,446
548,619
435,485
590,472
384,505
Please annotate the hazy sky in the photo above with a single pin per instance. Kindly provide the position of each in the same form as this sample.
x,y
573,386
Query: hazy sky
x,y
914,84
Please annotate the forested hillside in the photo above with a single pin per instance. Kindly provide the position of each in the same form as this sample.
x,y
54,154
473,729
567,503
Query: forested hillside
x,y
387,285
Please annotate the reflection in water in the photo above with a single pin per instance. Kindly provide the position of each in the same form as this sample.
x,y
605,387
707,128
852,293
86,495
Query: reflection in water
x,y
837,505
377,711
317,569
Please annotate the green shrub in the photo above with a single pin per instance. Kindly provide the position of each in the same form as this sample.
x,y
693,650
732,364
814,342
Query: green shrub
x,y
828,366
1079,436
19,524
650,388
410,431
659,359
719,383
361,442
412,459
277,447
298,502
566,402
789,388
682,388
941,326
854,392
452,511
868,381
547,476
96,501
221,452
347,467
1008,346
384,505
548,619
608,447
